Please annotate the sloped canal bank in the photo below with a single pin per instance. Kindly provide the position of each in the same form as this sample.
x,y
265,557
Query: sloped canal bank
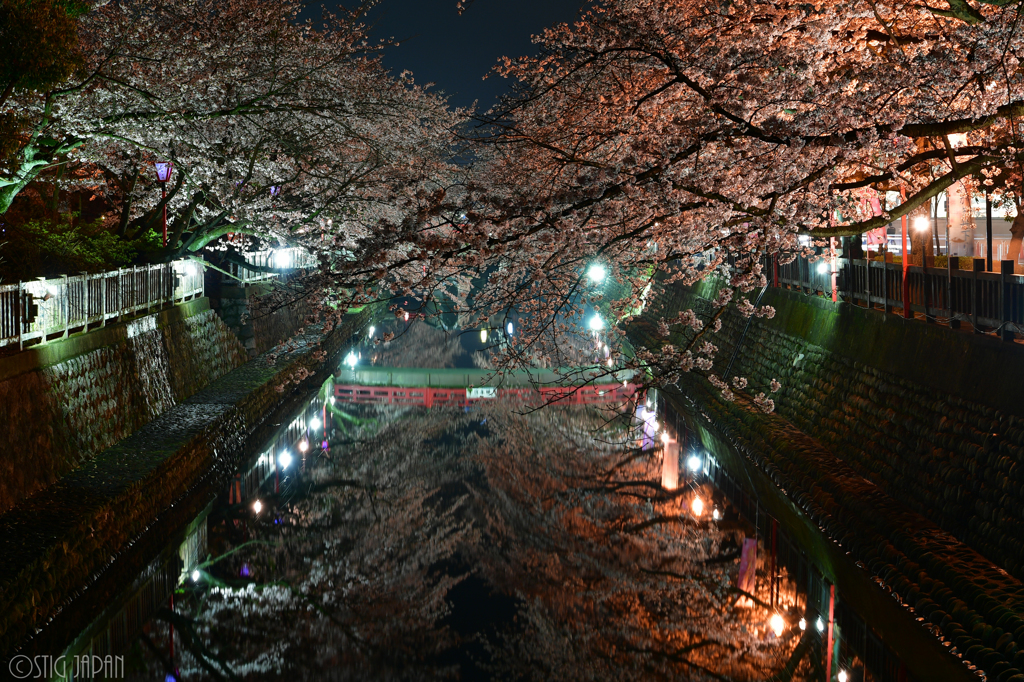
x,y
60,549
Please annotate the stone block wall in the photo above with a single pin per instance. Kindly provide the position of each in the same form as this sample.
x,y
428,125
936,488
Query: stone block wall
x,y
903,442
83,395
259,330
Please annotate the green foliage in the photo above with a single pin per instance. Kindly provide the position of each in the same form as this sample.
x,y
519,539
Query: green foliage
x,y
46,248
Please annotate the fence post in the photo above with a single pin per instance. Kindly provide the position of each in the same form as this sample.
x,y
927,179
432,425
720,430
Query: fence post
x,y
19,313
926,285
885,283
67,305
979,266
1005,301
954,266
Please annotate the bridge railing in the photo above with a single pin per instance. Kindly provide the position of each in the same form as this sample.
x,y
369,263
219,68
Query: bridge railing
x,y
292,258
40,309
986,300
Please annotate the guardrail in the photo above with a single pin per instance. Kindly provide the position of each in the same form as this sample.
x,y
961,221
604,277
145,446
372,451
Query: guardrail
x,y
292,258
38,310
989,301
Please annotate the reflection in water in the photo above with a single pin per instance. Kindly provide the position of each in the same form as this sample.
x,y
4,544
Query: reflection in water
x,y
402,542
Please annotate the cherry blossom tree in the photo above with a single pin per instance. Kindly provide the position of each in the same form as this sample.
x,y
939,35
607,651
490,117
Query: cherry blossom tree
x,y
668,141
276,126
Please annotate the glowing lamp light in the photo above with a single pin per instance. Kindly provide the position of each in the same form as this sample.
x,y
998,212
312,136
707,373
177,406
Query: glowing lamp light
x,y
303,445
596,323
921,223
332,400
163,170
351,360
842,676
508,328
406,316
693,463
715,515
822,267
282,259
483,336
665,438
257,506
777,624
820,624
372,330
285,459
314,423
697,506
803,623
195,575
596,273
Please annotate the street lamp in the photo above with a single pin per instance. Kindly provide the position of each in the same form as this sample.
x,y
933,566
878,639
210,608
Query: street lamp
x,y
596,273
163,174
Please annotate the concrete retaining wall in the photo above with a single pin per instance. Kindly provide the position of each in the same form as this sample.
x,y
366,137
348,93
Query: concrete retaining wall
x,y
903,442
62,403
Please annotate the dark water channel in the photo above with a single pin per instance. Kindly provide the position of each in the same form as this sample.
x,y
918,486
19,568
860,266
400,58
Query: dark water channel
x,y
369,541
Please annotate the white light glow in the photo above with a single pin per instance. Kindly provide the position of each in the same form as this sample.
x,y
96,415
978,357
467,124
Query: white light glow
x,y
303,445
823,267
777,624
596,273
693,463
195,576
697,506
921,223
509,328
596,323
314,423
665,438
842,676
282,259
372,331
332,400
351,360
715,515
285,458
257,506
820,625
803,623
483,336
406,315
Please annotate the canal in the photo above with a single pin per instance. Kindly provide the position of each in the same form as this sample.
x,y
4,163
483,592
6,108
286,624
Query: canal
x,y
477,538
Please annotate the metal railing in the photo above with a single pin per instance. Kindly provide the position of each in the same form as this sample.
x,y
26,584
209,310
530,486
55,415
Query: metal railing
x,y
292,258
38,310
986,300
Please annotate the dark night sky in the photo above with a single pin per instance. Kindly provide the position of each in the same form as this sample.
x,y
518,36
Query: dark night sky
x,y
455,52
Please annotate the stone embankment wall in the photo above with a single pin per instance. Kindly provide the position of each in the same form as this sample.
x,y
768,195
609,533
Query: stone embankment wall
x,y
259,330
62,403
902,441
60,548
